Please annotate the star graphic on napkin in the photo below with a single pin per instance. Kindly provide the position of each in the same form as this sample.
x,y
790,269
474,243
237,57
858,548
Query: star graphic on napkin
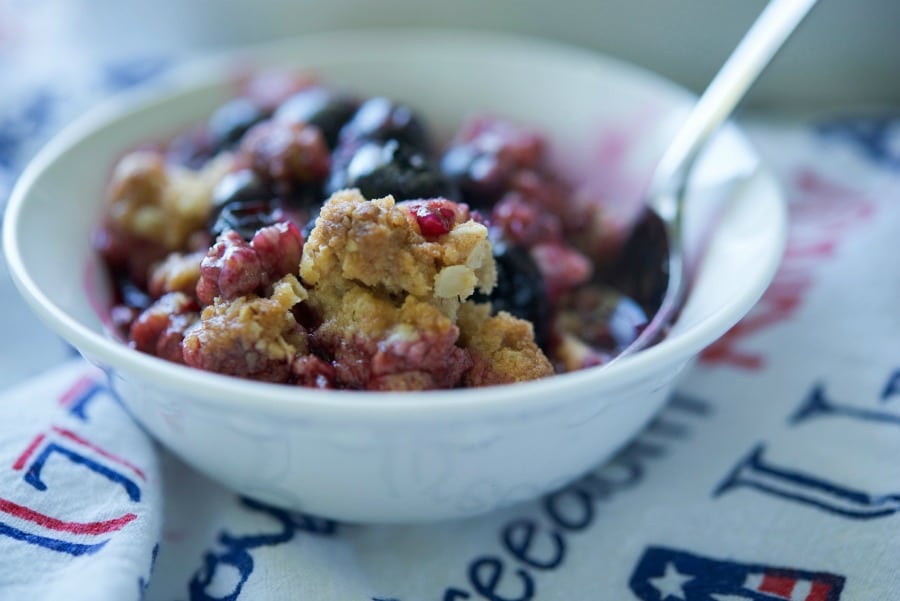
x,y
671,583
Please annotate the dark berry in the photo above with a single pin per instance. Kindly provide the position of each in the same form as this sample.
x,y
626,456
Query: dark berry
x,y
602,317
132,295
304,201
192,149
243,192
246,217
520,289
242,202
641,270
392,167
239,186
232,120
326,109
310,224
380,119
479,175
486,156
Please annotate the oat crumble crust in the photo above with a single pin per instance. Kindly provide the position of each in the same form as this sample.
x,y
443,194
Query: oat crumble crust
x,y
161,203
389,304
250,336
377,282
377,244
502,347
179,272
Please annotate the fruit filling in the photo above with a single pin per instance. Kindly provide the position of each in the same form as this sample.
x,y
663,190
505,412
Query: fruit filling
x,y
306,236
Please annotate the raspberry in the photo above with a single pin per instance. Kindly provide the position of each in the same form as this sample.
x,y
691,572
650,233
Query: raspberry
x,y
234,267
311,371
523,222
159,329
520,290
287,156
562,267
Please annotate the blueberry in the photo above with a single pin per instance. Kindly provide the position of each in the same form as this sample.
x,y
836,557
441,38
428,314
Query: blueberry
x,y
602,317
242,202
239,186
480,175
131,294
232,120
307,199
247,217
191,149
520,288
486,157
380,119
310,224
326,109
392,167
641,270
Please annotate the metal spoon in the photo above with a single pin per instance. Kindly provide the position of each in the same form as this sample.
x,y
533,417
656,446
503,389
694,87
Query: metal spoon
x,y
666,192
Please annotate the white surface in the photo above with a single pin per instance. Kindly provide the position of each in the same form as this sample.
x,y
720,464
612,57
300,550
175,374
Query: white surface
x,y
37,348
472,442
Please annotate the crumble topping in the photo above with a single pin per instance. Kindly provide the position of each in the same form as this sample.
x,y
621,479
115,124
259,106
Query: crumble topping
x,y
308,236
161,203
379,244
501,346
250,336
179,272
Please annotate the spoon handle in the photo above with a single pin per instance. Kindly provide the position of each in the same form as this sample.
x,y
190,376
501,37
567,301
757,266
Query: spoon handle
x,y
753,53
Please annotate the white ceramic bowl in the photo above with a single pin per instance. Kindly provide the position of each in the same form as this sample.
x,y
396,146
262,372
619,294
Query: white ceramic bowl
x,y
413,456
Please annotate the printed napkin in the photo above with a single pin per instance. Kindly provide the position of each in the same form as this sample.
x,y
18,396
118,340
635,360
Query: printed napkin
x,y
772,474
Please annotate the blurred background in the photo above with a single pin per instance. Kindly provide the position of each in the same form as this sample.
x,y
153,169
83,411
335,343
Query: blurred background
x,y
847,52
60,57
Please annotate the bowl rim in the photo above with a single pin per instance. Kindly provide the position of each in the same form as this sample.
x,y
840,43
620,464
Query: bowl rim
x,y
236,392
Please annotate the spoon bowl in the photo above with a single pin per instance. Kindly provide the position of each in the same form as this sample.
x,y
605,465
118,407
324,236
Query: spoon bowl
x,y
662,221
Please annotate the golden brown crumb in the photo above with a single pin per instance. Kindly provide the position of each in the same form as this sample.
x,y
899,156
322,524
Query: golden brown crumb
x,y
249,335
177,273
389,300
502,347
376,244
573,354
161,203
364,313
379,345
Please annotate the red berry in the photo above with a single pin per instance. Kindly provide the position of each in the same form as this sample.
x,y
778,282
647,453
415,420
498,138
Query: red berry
x,y
434,221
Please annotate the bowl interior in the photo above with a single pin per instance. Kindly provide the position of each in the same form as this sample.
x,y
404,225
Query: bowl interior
x,y
608,122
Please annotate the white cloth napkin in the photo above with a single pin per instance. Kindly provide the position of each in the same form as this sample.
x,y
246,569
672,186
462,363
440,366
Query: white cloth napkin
x,y
80,491
773,474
